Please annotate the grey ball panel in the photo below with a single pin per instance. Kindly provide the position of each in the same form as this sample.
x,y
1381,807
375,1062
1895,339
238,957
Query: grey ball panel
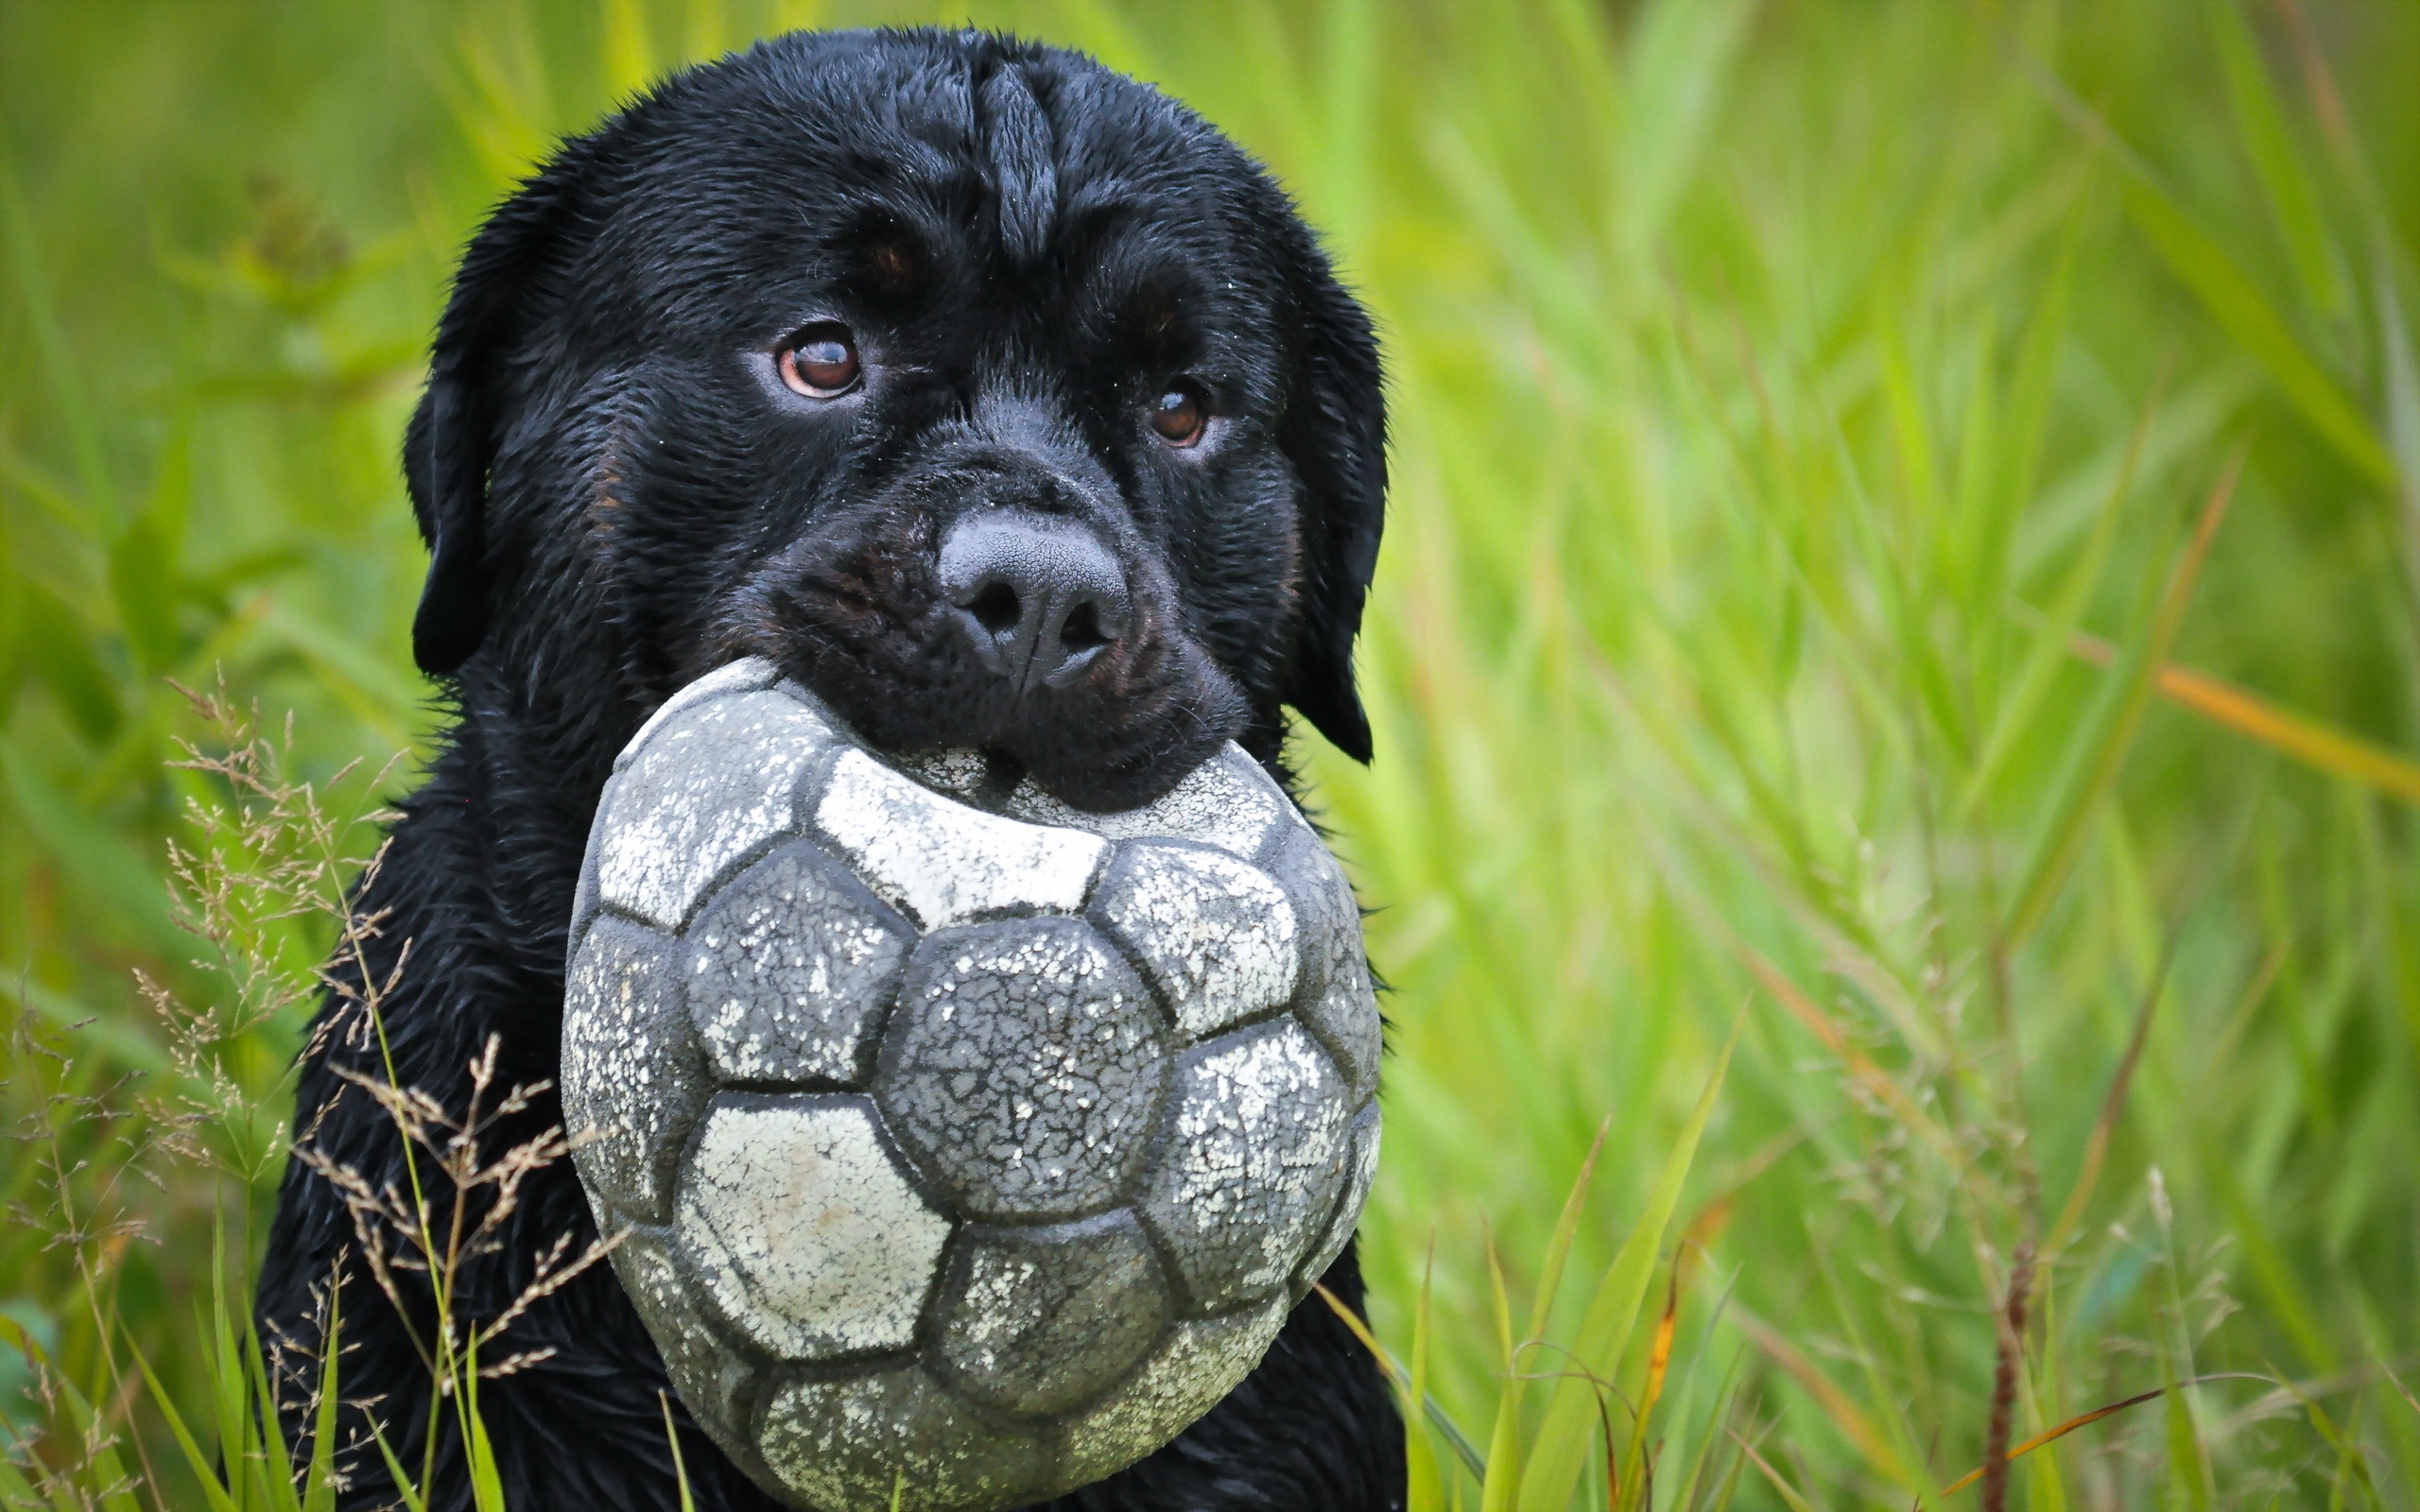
x,y
962,772
942,862
791,967
633,1078
1023,1068
1254,1156
1337,1001
1200,1363
843,1445
794,1218
720,779
1041,1321
746,674
1360,1173
1215,933
714,1380
1227,801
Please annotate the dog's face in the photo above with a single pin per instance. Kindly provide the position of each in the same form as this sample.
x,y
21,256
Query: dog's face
x,y
999,397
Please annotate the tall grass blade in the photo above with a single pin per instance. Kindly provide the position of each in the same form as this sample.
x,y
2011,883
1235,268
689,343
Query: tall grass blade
x,y
1566,1434
2095,759
2237,304
680,1466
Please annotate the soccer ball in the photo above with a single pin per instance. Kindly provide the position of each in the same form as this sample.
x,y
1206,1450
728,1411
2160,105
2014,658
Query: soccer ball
x,y
967,1146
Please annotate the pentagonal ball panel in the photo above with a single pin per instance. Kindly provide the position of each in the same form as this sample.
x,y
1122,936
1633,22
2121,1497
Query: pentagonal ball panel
x,y
856,1442
1039,1321
718,780
1190,1374
633,1078
797,1221
1339,1004
1254,1160
790,966
1023,1067
1227,801
942,862
1215,933
747,674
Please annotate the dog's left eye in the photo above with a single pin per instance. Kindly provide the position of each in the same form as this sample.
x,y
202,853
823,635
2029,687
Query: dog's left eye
x,y
1179,414
822,363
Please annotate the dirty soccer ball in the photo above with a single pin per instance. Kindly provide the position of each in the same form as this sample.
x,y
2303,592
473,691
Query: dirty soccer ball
x,y
967,1143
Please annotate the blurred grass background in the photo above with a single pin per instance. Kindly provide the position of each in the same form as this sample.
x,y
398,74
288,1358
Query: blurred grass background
x,y
1906,540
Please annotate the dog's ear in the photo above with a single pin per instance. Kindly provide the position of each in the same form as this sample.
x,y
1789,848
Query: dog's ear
x,y
452,438
1335,433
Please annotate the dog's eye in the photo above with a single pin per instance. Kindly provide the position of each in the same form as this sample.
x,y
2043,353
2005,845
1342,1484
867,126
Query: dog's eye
x,y
822,363
1178,415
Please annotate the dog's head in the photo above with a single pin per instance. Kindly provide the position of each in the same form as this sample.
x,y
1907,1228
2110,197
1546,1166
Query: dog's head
x,y
996,396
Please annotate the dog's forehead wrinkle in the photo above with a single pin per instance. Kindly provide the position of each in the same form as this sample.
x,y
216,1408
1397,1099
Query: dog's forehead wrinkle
x,y
1019,151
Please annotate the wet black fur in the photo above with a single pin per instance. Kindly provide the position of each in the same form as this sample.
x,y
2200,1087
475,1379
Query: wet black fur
x,y
619,494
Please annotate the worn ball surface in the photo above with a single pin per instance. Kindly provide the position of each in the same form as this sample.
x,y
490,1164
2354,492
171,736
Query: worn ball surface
x,y
965,1142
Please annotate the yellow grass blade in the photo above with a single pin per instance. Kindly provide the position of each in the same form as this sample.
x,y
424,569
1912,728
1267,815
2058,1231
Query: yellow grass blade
x,y
2314,741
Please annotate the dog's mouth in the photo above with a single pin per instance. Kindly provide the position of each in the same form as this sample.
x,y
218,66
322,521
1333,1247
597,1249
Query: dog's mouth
x,y
1017,640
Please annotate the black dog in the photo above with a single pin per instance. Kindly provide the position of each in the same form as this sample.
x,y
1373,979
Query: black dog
x,y
1003,402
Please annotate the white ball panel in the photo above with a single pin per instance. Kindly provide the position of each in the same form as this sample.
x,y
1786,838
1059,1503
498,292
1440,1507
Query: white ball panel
x,y
943,862
712,785
1217,934
803,1230
746,674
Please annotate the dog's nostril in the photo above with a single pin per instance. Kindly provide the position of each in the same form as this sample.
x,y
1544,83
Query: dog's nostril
x,y
996,607
1040,599
1082,631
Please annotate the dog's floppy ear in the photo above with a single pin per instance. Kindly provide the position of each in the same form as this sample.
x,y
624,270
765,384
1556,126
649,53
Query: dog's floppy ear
x,y
452,438
1335,433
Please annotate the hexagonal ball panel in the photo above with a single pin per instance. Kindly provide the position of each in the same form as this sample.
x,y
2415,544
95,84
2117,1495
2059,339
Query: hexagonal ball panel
x,y
1254,1160
1023,1068
1227,801
716,780
1349,1203
713,1378
1039,1321
1200,1363
1339,1003
632,1077
838,1444
1215,933
796,1220
942,862
790,966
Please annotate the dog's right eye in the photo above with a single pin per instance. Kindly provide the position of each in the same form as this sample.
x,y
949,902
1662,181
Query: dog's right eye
x,y
822,363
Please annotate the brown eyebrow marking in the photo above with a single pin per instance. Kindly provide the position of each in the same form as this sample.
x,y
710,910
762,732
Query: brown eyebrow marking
x,y
894,267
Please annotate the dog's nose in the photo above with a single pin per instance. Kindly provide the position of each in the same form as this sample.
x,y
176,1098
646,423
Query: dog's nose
x,y
1038,597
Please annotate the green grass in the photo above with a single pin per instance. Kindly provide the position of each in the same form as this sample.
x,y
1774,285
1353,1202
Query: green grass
x,y
1839,444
